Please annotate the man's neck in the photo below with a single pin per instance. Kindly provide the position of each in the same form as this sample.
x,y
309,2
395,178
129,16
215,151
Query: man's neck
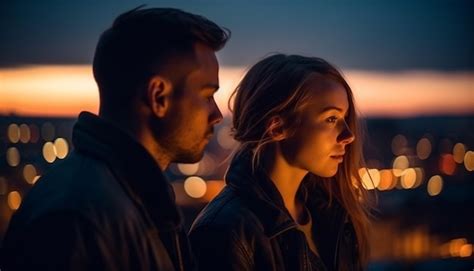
x,y
143,137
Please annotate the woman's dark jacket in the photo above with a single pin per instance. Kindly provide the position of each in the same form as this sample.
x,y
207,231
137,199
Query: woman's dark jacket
x,y
106,207
247,227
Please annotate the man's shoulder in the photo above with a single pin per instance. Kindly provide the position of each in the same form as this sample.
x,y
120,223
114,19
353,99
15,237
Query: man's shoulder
x,y
80,185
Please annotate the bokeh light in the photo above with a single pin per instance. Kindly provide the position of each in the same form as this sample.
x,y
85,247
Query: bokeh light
x,y
408,178
188,169
435,185
13,133
62,148
370,178
195,186
420,174
447,165
455,246
469,161
25,134
14,200
49,152
387,180
29,173
423,148
465,250
399,165
459,151
13,157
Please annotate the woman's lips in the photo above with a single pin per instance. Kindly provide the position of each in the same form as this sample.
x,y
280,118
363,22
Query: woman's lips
x,y
338,158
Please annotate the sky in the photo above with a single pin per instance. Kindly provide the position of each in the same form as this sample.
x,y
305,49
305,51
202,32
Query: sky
x,y
402,58
362,34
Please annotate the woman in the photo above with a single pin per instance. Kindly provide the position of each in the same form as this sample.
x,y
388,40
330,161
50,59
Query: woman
x,y
292,199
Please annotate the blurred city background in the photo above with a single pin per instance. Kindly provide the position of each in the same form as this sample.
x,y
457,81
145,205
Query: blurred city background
x,y
410,64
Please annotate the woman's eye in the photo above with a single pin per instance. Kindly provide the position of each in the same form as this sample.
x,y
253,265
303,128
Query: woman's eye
x,y
332,119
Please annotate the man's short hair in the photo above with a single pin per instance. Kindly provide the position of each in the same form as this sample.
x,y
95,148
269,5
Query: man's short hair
x,y
141,42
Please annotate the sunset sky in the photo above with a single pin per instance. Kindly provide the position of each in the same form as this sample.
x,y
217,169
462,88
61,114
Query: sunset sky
x,y
67,90
402,58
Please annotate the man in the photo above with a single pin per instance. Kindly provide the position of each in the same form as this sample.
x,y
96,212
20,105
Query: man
x,y
108,206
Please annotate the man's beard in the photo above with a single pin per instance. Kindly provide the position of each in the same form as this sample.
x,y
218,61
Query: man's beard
x,y
171,141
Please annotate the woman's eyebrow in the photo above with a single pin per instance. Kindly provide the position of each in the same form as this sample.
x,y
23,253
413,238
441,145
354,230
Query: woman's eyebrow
x,y
331,107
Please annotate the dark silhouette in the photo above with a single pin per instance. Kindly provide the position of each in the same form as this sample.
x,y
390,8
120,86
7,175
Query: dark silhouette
x,y
108,206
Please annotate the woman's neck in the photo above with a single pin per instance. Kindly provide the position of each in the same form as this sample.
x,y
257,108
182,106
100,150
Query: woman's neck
x,y
287,178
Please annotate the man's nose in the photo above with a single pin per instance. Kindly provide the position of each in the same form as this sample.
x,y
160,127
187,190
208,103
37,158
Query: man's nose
x,y
216,114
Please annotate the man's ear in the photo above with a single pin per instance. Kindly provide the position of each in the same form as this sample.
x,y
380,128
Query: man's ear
x,y
276,129
159,95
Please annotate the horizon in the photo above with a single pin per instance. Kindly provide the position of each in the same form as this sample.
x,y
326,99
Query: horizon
x,y
66,90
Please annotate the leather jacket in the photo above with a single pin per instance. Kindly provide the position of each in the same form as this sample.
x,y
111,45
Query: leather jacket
x,y
106,207
247,227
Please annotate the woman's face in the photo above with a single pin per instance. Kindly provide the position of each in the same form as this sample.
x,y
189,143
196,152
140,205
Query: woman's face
x,y
319,142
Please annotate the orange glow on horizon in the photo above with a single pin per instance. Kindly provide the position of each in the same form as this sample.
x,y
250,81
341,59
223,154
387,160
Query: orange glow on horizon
x,y
65,90
48,90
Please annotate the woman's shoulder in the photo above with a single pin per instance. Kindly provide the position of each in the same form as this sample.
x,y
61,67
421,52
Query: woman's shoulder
x,y
227,212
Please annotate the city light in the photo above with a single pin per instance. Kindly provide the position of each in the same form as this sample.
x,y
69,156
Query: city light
x,y
49,152
195,187
459,151
29,173
25,134
435,185
13,156
188,169
14,200
408,178
423,148
400,163
469,161
13,133
62,148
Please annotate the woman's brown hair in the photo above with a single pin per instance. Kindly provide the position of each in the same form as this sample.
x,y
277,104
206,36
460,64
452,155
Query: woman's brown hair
x,y
275,87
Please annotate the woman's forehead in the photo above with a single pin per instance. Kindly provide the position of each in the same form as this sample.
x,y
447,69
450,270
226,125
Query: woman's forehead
x,y
324,92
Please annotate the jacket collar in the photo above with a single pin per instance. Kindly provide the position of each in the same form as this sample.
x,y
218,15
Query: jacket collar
x,y
130,162
262,196
255,186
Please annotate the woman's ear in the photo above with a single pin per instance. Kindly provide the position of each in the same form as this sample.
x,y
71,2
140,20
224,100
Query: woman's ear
x,y
159,95
276,129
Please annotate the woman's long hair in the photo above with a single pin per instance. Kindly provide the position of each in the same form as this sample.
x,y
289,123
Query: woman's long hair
x,y
276,87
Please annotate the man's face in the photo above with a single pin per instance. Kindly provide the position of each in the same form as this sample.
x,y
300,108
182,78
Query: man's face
x,y
193,111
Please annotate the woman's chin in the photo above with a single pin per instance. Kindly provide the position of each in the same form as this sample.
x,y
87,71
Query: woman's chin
x,y
325,173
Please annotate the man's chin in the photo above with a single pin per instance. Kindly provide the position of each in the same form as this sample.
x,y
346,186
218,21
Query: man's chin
x,y
190,158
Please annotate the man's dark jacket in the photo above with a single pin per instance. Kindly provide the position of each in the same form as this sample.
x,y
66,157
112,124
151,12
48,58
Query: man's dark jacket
x,y
106,207
247,227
